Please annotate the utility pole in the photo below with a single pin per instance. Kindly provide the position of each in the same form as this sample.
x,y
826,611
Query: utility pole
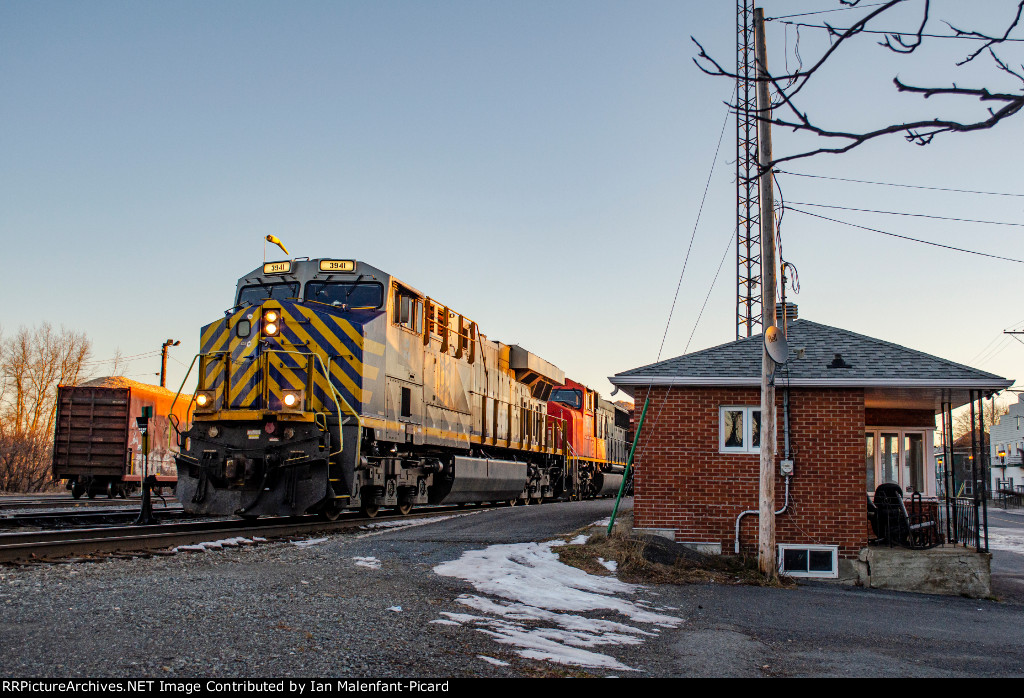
x,y
163,360
766,500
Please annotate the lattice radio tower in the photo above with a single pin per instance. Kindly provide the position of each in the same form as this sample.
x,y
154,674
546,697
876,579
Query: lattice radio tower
x,y
748,220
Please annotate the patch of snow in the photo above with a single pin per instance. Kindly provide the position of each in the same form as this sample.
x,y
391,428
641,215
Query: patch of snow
x,y
371,562
404,523
603,522
579,540
442,621
396,609
308,542
218,544
541,601
610,565
1008,539
492,660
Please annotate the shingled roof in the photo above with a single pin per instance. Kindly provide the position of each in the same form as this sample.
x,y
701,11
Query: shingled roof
x,y
869,362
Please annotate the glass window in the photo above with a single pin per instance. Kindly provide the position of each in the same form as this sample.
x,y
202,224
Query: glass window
x,y
913,463
348,295
869,460
250,295
567,396
732,426
889,450
740,429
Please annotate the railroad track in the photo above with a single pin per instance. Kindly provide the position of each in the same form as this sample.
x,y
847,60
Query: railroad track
x,y
13,503
52,545
52,519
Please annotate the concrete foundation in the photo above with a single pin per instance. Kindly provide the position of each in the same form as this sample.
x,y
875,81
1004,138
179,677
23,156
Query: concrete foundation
x,y
948,569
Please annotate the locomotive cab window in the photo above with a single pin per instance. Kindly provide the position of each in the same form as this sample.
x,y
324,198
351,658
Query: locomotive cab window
x,y
250,295
350,295
567,396
408,310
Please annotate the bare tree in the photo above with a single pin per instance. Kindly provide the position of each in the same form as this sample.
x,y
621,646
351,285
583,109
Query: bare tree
x,y
32,364
996,103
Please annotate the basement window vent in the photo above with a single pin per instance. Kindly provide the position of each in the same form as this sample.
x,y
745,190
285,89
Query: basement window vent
x,y
809,560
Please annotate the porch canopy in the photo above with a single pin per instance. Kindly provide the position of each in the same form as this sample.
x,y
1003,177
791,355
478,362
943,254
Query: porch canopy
x,y
820,356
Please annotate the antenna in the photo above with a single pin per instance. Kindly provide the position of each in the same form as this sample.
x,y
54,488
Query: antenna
x,y
775,344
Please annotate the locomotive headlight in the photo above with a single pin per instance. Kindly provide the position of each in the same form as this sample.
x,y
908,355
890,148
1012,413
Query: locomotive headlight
x,y
271,323
205,401
292,400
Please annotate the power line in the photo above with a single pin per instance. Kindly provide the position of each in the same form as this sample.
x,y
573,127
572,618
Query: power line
x,y
122,358
901,33
905,237
901,213
822,12
893,184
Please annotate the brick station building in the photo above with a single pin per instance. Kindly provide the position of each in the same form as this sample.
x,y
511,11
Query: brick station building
x,y
861,412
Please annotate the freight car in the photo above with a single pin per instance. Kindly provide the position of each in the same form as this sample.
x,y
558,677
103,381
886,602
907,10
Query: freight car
x,y
333,385
97,446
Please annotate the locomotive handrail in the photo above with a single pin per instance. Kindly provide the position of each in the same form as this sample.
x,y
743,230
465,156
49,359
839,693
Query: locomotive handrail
x,y
172,420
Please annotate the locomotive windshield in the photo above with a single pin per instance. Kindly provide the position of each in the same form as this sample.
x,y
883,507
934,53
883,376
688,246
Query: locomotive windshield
x,y
257,294
567,396
349,294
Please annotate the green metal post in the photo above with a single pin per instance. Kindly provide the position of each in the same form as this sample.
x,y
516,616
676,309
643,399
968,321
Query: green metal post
x,y
629,464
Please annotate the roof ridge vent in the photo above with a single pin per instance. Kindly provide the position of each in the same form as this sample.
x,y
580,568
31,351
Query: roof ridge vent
x,y
838,362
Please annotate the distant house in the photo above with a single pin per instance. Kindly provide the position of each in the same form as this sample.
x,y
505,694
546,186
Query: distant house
x,y
1007,449
861,411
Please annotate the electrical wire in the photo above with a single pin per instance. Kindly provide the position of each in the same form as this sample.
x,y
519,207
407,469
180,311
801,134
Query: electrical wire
x,y
822,12
911,32
905,237
902,213
893,184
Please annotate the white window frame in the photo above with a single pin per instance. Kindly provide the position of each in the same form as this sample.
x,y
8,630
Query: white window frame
x,y
834,549
928,436
748,422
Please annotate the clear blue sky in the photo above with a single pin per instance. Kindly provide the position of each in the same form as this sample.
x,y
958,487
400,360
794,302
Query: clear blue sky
x,y
536,165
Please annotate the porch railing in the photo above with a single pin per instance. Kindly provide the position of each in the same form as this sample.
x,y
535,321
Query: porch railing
x,y
960,520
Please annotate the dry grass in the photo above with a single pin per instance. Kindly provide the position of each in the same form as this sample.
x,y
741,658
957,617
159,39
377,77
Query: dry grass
x,y
653,560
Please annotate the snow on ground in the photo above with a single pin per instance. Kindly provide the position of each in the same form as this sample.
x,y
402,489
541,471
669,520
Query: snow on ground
x,y
1009,539
491,660
580,539
541,601
610,565
219,544
603,522
401,523
371,562
308,542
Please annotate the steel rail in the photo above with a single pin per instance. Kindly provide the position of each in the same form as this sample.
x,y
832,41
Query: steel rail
x,y
49,545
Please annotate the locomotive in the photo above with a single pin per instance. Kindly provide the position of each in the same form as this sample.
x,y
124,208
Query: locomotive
x,y
332,385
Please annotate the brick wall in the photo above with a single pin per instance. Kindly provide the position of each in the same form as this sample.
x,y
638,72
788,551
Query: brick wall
x,y
683,483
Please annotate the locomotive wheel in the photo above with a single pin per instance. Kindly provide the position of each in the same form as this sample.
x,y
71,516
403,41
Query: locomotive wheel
x,y
513,502
369,510
77,491
111,491
404,509
331,513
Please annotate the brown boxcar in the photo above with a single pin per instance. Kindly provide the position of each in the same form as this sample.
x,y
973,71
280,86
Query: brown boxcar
x,y
97,446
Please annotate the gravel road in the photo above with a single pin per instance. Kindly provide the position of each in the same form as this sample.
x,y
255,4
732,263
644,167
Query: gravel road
x,y
370,604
